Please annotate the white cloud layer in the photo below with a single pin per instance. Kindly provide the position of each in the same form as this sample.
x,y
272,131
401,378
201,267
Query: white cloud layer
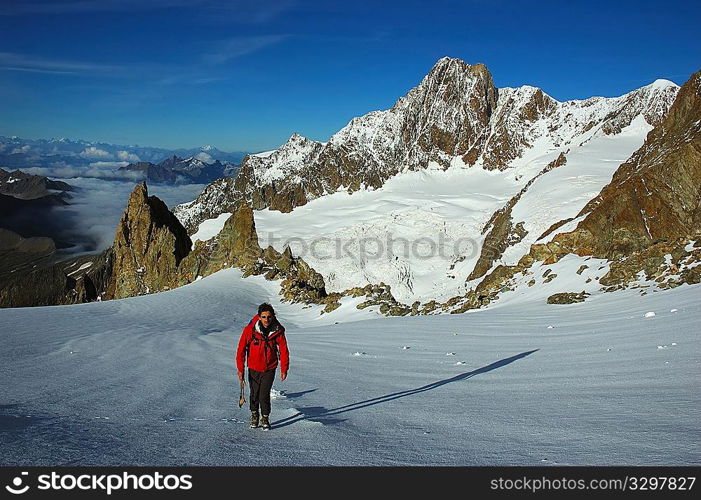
x,y
204,157
93,153
127,156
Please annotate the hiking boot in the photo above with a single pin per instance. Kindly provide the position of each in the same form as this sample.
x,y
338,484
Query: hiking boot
x,y
254,419
264,423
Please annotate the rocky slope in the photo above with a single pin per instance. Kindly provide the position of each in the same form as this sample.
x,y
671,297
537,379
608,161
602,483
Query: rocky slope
x,y
27,205
151,253
653,204
646,223
148,246
29,187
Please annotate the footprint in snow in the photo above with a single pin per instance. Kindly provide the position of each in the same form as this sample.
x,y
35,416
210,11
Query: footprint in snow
x,y
233,420
275,394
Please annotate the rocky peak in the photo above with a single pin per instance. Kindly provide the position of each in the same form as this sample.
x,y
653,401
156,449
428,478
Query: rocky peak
x,y
149,244
448,113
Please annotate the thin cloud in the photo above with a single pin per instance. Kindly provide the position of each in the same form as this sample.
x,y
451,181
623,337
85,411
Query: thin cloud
x,y
20,62
241,11
247,11
198,79
237,47
51,7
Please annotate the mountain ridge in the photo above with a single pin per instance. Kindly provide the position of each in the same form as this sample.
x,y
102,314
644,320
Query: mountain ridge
x,y
454,115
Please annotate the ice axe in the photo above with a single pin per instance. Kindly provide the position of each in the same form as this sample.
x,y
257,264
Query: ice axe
x,y
242,400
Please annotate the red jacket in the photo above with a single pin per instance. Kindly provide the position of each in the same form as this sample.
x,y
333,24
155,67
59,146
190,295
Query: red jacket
x,y
262,354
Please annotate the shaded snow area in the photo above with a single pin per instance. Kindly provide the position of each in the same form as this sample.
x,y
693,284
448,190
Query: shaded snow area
x,y
210,228
151,381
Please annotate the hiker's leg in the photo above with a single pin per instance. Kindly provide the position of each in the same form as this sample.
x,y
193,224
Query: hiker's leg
x,y
254,379
266,383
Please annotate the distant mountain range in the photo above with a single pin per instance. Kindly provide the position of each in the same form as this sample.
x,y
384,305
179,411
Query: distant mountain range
x,y
175,170
69,158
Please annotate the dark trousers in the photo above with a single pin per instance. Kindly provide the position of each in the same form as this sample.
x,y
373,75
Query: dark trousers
x,y
261,383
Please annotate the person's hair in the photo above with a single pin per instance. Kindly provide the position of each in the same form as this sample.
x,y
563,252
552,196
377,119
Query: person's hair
x,y
265,307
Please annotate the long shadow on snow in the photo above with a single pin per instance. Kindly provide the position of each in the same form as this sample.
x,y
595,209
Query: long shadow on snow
x,y
321,414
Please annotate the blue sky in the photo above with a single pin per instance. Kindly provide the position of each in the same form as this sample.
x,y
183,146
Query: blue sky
x,y
245,75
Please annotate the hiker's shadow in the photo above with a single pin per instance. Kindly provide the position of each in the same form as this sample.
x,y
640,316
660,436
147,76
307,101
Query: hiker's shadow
x,y
318,414
293,395
323,415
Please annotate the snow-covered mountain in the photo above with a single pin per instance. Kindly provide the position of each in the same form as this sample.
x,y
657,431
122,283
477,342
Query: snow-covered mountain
x,y
441,196
455,116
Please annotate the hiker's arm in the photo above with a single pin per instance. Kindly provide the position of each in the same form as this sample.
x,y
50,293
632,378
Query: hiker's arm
x,y
241,354
284,356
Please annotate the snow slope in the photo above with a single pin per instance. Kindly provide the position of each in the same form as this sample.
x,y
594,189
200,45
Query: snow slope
x,y
151,380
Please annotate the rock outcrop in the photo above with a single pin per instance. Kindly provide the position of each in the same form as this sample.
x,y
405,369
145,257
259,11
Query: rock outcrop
x,y
567,297
149,244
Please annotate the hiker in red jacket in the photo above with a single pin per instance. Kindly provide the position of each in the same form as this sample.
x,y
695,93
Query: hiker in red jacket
x,y
262,340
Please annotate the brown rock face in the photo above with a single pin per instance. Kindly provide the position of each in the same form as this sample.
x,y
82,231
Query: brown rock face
x,y
441,120
508,139
148,246
654,196
237,242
